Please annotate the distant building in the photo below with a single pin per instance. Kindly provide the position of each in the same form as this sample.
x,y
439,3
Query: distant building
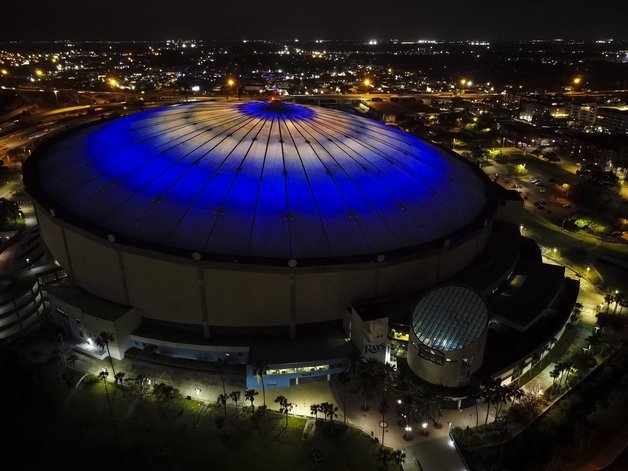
x,y
582,115
610,151
543,112
612,119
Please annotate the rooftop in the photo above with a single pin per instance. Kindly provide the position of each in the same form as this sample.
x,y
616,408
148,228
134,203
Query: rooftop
x,y
257,181
87,303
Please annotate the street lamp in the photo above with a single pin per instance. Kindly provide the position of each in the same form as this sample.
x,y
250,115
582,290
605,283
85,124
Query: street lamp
x,y
230,83
56,92
367,83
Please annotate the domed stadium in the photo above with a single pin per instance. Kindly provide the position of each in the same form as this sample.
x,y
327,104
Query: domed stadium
x,y
254,214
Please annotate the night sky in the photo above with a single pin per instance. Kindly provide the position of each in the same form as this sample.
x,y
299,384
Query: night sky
x,y
332,19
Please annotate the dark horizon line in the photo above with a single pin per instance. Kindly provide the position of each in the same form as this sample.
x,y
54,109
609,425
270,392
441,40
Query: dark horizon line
x,y
244,40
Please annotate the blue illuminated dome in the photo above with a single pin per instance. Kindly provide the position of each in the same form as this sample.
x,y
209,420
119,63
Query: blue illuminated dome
x,y
257,181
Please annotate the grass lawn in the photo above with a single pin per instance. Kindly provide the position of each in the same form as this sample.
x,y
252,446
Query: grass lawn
x,y
182,435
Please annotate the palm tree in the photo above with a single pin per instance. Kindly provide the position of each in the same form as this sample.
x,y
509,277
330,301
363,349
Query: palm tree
x,y
622,303
399,457
235,397
103,375
355,361
476,396
260,369
583,360
330,413
489,393
314,410
119,380
119,377
506,395
554,374
343,378
102,341
567,367
608,299
618,299
221,363
285,407
383,409
249,395
388,375
368,372
383,456
222,401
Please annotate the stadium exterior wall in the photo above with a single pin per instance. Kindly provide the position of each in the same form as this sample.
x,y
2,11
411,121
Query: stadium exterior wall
x,y
209,293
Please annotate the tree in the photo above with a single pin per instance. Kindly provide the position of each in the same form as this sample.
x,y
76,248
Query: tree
x,y
505,395
608,299
618,299
260,369
235,397
343,379
399,457
165,393
355,362
222,401
567,367
285,407
249,395
221,363
314,410
554,374
103,340
119,380
387,374
330,413
103,375
490,392
383,456
583,361
384,406
476,396
524,410
140,388
368,372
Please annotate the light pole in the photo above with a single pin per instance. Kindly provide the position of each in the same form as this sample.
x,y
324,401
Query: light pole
x,y
367,84
230,84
